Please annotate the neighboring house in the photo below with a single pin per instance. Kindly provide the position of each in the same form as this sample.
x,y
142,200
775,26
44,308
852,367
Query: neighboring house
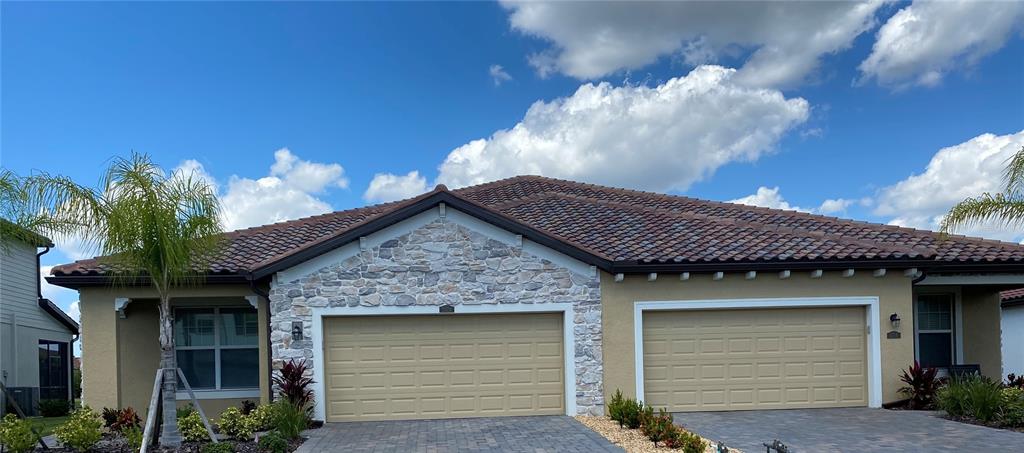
x,y
539,296
36,337
1013,331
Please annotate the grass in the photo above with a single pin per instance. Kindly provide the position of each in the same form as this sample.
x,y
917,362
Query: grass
x,y
45,425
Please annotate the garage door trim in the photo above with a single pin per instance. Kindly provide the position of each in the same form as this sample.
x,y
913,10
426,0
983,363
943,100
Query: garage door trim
x,y
869,302
568,338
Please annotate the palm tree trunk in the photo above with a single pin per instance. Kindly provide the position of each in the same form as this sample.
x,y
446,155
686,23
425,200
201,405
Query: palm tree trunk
x,y
169,436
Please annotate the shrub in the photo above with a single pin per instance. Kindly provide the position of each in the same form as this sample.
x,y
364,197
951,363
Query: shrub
x,y
133,436
1012,407
273,442
615,407
192,428
630,412
687,441
657,427
54,408
1012,380
16,434
109,416
82,430
236,425
263,417
183,411
221,447
247,407
289,420
921,386
76,383
293,384
118,420
973,396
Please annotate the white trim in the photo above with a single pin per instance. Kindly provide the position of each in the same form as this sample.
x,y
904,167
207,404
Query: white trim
x,y
817,273
684,276
120,303
254,301
219,394
869,302
1003,279
878,273
568,337
784,274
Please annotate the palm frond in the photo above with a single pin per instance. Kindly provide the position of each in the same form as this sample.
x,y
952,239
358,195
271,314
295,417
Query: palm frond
x,y
985,208
1013,175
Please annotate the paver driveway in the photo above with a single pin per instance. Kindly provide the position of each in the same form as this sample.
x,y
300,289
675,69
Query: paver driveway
x,y
848,430
511,434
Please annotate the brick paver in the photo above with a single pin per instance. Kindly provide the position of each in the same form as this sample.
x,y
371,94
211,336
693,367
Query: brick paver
x,y
507,434
848,430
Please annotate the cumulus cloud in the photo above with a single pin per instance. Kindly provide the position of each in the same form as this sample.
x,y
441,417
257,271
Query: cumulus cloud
x,y
75,312
834,206
784,40
54,292
498,74
389,187
766,197
953,174
924,41
287,192
663,138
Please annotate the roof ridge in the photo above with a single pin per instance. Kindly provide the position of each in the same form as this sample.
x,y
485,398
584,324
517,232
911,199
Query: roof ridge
x,y
911,250
916,231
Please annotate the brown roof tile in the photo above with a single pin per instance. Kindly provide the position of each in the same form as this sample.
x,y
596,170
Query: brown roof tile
x,y
628,226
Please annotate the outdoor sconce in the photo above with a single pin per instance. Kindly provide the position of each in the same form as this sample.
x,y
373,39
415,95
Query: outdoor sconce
x,y
895,320
296,330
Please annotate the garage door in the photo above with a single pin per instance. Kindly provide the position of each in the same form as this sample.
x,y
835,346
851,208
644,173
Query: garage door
x,y
755,359
408,367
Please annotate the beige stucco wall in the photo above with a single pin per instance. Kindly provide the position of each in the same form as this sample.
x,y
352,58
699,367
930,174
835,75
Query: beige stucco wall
x,y
617,299
120,356
981,329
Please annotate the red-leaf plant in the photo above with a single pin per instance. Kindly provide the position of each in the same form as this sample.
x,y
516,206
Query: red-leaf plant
x,y
921,386
293,384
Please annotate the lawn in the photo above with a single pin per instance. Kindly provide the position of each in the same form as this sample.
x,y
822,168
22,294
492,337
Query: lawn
x,y
45,425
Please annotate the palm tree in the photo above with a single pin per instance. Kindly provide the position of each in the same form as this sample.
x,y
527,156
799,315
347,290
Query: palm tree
x,y
1006,207
150,227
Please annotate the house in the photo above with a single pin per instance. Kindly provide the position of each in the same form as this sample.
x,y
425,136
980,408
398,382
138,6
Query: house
x,y
36,337
1013,331
533,295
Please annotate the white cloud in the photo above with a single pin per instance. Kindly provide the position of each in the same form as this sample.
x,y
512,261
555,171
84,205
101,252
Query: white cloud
x,y
924,41
390,187
787,39
953,174
661,138
54,292
834,206
75,312
768,198
287,193
498,74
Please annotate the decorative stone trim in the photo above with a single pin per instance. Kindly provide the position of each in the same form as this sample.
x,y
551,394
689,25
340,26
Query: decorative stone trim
x,y
441,263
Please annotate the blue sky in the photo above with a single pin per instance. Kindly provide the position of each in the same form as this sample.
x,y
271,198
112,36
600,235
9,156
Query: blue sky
x,y
824,102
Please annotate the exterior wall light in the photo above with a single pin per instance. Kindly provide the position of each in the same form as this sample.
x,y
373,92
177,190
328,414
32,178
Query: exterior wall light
x,y
895,320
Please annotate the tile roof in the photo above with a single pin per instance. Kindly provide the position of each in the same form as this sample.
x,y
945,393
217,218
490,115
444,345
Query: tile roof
x,y
1012,295
628,226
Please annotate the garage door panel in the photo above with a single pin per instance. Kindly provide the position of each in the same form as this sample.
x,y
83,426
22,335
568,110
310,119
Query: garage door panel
x,y
405,367
755,359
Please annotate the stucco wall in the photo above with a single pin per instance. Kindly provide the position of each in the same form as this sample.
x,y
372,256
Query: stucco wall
x,y
982,334
120,356
617,300
444,262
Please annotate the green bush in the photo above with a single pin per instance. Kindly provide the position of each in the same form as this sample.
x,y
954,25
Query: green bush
x,y
687,441
1013,407
220,447
263,417
16,434
977,397
236,425
273,442
133,436
183,411
54,408
629,412
192,428
82,430
615,407
658,427
290,420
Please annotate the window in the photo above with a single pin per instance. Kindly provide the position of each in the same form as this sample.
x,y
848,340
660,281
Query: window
x,y
935,325
53,370
218,348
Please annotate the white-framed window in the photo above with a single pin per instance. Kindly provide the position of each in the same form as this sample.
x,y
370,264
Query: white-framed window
x,y
218,348
935,329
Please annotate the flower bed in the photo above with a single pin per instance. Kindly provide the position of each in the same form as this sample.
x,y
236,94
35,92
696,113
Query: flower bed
x,y
631,440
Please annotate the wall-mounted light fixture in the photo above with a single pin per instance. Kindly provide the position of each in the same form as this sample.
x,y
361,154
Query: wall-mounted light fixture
x,y
895,320
296,330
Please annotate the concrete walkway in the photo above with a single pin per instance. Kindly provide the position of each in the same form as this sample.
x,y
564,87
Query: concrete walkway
x,y
848,430
504,434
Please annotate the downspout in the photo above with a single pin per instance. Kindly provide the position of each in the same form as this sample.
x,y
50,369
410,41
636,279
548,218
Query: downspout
x,y
270,352
39,277
919,278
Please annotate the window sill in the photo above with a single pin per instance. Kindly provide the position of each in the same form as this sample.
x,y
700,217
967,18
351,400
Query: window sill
x,y
219,394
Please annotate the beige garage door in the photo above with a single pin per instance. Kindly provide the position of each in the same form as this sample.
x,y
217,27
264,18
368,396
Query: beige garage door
x,y
755,359
407,367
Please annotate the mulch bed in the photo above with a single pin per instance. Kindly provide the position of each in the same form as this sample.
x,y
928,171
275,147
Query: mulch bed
x,y
974,421
631,440
116,444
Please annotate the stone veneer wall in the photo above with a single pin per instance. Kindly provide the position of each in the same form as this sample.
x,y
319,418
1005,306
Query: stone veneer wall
x,y
445,263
